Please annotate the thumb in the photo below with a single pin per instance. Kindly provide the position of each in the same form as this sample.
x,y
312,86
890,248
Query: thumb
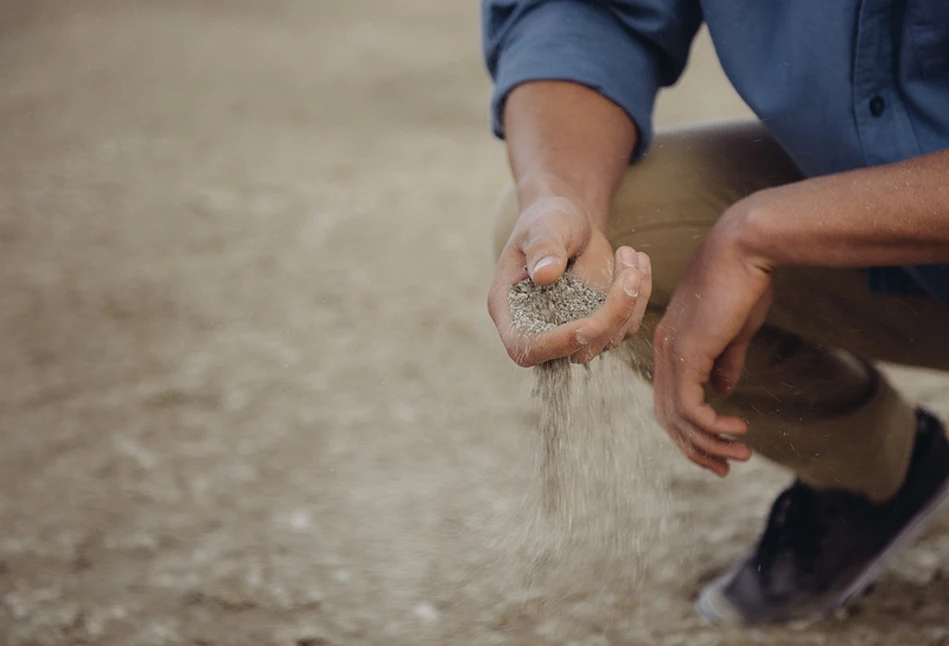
x,y
546,256
729,365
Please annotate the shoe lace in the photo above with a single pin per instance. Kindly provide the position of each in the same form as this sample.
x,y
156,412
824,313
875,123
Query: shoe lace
x,y
795,528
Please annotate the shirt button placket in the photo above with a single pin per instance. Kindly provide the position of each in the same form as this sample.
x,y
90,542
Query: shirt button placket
x,y
876,107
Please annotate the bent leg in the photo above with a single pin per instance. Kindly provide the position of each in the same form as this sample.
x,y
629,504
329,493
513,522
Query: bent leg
x,y
814,402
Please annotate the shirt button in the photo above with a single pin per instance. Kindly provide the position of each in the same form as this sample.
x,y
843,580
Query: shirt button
x,y
877,105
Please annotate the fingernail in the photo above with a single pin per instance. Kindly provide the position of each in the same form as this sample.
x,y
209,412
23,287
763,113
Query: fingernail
x,y
543,262
631,286
583,336
645,265
628,256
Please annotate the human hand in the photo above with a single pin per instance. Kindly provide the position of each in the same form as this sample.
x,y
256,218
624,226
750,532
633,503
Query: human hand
x,y
703,339
549,233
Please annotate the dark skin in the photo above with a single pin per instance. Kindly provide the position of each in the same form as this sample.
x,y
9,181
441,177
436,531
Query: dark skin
x,y
569,148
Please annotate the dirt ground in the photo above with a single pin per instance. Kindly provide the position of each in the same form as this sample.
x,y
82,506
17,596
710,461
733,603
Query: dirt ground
x,y
249,393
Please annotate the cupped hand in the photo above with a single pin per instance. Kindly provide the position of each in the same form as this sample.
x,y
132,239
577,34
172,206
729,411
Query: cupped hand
x,y
548,234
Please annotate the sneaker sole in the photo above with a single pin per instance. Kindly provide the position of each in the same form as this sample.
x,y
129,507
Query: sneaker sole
x,y
715,608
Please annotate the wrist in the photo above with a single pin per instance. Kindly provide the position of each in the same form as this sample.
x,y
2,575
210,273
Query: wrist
x,y
747,230
538,188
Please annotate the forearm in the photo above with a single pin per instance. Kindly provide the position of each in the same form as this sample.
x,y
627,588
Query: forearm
x,y
565,139
896,214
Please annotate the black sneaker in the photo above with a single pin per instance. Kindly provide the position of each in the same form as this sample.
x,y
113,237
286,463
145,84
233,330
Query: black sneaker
x,y
823,547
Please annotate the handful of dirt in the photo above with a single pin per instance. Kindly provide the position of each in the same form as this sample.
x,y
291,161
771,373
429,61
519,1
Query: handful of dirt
x,y
536,309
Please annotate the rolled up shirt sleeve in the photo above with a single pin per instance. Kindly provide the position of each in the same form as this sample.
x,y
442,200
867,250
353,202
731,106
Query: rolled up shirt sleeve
x,y
624,49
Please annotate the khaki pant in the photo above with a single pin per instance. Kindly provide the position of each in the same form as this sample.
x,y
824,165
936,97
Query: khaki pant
x,y
812,398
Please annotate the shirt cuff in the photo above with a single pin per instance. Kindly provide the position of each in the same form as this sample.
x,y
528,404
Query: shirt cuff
x,y
581,43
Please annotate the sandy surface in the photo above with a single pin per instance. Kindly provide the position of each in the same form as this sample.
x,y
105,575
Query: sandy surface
x,y
250,394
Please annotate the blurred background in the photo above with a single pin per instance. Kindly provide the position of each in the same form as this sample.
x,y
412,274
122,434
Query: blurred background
x,y
249,392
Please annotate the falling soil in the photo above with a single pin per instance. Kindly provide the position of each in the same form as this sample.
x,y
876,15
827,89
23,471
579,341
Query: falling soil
x,y
598,505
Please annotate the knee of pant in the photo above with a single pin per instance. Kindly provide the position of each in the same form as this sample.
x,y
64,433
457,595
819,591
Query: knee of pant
x,y
676,185
692,174
505,216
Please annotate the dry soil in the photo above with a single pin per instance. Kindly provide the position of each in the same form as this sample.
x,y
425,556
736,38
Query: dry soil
x,y
249,393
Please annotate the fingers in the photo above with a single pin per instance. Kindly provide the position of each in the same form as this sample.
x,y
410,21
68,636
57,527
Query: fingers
x,y
533,350
711,452
612,318
718,466
564,341
681,409
695,412
728,367
582,339
527,351
645,293
510,270
717,447
707,450
680,375
627,257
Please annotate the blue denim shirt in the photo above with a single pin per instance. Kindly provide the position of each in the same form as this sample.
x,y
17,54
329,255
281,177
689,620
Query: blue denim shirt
x,y
841,84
